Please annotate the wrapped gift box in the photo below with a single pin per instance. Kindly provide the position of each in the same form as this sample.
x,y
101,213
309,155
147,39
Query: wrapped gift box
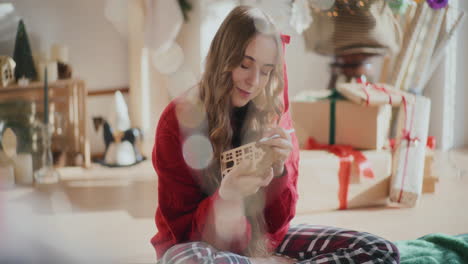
x,y
373,94
429,185
362,127
410,152
430,178
318,183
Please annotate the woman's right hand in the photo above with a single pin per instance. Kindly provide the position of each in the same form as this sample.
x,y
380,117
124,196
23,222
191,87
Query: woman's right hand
x,y
243,181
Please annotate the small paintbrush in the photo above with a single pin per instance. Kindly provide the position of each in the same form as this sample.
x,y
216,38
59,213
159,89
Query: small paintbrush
x,y
289,131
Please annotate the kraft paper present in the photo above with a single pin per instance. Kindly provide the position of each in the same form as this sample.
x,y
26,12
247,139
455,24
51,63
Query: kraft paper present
x,y
373,94
410,153
430,179
318,182
428,163
362,127
429,185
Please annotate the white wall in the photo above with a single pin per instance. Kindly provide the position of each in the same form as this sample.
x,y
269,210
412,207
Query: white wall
x,y
436,91
306,70
189,39
97,53
461,110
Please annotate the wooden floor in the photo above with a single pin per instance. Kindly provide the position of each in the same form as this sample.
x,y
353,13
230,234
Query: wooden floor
x,y
109,212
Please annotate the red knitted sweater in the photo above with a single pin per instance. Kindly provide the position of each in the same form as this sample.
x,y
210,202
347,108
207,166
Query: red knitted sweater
x,y
184,209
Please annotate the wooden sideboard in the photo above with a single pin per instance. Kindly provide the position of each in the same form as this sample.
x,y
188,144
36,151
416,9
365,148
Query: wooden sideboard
x,y
67,114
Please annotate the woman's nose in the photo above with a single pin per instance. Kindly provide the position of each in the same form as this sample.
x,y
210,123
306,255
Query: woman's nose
x,y
253,78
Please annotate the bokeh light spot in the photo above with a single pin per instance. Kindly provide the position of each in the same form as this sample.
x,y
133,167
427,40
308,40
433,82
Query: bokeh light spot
x,y
197,151
190,114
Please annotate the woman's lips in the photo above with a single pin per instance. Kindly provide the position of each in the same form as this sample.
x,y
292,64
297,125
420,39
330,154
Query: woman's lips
x,y
243,93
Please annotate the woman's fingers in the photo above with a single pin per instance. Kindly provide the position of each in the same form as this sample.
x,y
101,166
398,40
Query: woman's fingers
x,y
250,186
282,139
245,167
281,151
245,179
278,131
235,186
279,143
282,132
269,176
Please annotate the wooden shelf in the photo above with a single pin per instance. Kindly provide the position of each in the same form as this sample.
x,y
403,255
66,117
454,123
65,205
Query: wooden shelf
x,y
67,99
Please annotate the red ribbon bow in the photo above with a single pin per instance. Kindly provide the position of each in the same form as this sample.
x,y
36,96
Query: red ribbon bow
x,y
431,142
347,156
376,87
406,135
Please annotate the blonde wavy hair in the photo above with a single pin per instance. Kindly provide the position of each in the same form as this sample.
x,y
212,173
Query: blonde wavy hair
x,y
226,52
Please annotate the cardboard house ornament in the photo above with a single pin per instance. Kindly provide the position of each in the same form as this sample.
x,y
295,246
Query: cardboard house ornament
x,y
7,70
261,156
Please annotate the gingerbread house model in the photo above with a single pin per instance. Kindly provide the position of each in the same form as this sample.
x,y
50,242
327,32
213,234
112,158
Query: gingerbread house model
x,y
260,156
7,70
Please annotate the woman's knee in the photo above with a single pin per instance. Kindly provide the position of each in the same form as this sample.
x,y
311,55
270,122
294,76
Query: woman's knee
x,y
191,252
378,248
325,240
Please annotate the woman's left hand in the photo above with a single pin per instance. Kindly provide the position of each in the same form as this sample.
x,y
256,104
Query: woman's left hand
x,y
281,147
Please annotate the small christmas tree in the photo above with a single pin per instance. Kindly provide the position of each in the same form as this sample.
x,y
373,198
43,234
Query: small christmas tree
x,y
22,55
185,6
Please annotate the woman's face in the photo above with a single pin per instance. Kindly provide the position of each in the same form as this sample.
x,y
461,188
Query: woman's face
x,y
252,75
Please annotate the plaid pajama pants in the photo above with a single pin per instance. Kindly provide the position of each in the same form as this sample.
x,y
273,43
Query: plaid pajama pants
x,y
307,244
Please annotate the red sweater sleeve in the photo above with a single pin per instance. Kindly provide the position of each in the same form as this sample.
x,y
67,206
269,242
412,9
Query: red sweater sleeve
x,y
184,212
282,192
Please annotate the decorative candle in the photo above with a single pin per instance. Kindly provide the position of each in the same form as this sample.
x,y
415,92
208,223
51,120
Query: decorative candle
x,y
23,168
59,53
40,69
52,71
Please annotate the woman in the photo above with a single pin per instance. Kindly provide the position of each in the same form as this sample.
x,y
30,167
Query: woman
x,y
244,216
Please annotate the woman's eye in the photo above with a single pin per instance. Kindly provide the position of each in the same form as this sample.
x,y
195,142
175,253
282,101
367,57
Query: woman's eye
x,y
244,67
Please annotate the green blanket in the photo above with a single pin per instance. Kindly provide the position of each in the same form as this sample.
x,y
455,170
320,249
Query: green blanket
x,y
434,248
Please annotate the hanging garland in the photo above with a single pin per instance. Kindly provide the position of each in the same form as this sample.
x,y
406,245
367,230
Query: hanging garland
x,y
437,4
398,6
185,6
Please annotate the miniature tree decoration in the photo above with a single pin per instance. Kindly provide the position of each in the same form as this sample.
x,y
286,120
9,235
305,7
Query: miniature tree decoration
x,y
23,55
185,6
